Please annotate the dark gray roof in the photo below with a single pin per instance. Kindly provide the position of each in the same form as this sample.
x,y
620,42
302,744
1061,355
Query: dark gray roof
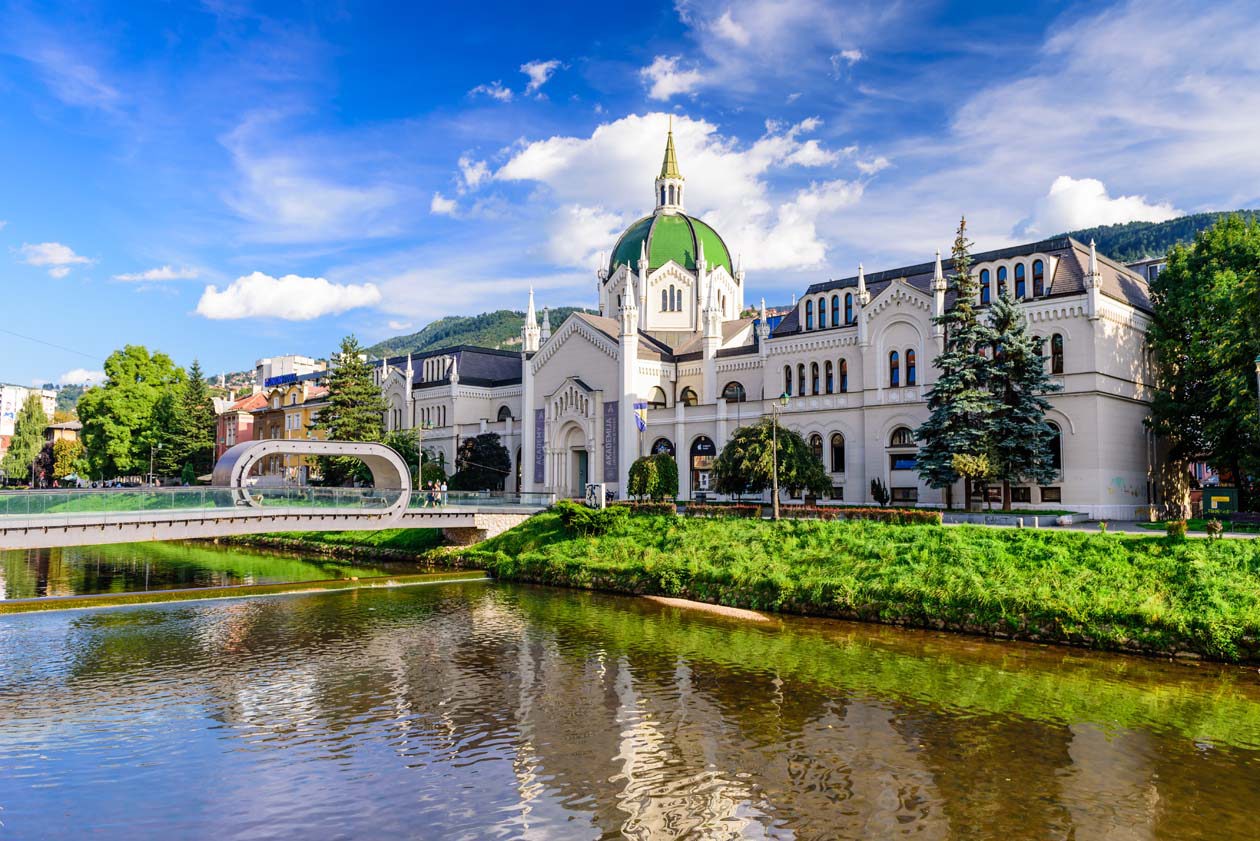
x,y
1118,281
477,365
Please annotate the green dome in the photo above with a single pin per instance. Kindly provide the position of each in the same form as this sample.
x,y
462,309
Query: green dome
x,y
670,236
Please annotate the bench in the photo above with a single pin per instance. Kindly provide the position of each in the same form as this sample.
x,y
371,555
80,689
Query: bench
x,y
1246,518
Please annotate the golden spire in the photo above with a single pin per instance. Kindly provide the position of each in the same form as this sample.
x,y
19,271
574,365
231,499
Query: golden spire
x,y
669,167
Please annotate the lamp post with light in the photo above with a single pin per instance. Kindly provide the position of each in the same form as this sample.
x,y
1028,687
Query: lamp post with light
x,y
781,403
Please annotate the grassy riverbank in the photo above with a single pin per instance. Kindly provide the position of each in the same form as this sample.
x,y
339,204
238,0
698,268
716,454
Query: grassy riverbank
x,y
386,544
1109,591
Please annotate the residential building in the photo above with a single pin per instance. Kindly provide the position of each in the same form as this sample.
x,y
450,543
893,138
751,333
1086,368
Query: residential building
x,y
234,423
289,412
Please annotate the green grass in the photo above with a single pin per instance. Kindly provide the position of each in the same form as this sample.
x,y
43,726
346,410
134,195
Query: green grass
x,y
1103,590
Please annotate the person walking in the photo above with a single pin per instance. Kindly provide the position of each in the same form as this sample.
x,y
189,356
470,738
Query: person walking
x,y
442,492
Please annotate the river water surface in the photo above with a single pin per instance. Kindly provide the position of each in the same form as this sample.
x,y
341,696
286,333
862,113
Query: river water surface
x,y
481,710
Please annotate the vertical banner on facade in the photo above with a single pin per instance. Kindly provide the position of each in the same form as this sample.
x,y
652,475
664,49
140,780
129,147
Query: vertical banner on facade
x,y
612,440
540,454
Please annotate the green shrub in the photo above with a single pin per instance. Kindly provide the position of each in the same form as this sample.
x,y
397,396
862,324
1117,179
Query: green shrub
x,y
589,522
700,509
653,477
1214,527
1176,529
665,509
895,516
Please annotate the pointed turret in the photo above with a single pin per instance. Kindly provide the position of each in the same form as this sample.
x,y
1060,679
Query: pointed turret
x,y
1093,284
530,335
669,184
938,274
546,325
938,299
763,331
863,297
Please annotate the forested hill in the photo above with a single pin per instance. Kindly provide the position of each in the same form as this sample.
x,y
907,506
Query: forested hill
x,y
1136,240
498,329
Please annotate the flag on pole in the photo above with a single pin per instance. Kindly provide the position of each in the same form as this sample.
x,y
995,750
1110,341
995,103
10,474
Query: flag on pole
x,y
640,415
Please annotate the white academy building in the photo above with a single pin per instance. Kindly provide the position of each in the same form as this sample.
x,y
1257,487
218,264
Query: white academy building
x,y
854,354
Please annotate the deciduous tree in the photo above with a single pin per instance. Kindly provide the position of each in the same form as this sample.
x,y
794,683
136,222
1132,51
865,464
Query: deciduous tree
x,y
482,463
118,416
745,464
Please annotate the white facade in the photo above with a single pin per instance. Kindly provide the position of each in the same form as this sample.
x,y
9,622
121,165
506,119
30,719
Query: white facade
x,y
671,333
12,398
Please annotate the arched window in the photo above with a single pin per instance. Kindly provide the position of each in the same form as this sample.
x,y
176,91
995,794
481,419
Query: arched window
x,y
837,452
984,286
1039,279
734,393
618,302
667,302
815,446
828,380
844,376
657,400
1001,290
835,310
911,373
1021,285
787,380
848,308
809,314
662,445
894,369
813,377
505,413
800,379
671,193
688,397
901,437
1056,353
822,312
1056,446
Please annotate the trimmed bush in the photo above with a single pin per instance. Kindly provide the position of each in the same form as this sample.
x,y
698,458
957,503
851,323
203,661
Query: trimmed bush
x,y
654,477
666,509
1176,529
700,509
894,516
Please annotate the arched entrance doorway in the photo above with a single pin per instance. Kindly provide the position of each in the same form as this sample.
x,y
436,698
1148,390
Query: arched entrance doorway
x,y
703,451
576,460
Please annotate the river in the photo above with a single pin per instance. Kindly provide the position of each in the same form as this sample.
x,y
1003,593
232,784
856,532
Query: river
x,y
483,710
140,567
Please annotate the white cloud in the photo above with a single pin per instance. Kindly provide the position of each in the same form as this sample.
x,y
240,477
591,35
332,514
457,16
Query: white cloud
x,y
3,222
68,74
538,72
851,56
291,298
472,172
440,205
160,273
666,79
287,193
873,165
59,258
606,177
494,90
577,235
400,325
81,376
726,27
1082,203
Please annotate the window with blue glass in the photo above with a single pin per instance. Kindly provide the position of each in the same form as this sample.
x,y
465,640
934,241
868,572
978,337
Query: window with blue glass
x,y
984,286
809,315
1021,284
894,369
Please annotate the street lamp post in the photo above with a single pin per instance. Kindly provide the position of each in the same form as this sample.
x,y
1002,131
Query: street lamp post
x,y
152,447
782,402
420,428
1258,383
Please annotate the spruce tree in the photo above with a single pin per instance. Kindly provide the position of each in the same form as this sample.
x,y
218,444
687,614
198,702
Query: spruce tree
x,y
1020,440
960,402
355,411
28,438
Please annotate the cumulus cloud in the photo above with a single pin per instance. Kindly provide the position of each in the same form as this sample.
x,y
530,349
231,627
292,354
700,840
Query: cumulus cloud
x,y
440,205
1075,203
602,180
472,172
57,257
665,78
494,90
577,235
81,376
852,57
873,165
400,325
539,72
160,273
292,298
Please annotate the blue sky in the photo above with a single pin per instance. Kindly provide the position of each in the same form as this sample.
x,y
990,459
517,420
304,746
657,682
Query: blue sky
x,y
230,181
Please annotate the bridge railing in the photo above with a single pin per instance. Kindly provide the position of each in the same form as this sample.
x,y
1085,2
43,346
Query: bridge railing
x,y
117,504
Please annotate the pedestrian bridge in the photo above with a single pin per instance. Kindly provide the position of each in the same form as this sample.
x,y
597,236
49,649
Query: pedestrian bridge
x,y
231,506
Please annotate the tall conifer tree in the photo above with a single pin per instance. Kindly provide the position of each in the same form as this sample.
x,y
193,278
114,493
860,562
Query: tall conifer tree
x,y
28,438
355,411
960,402
1020,440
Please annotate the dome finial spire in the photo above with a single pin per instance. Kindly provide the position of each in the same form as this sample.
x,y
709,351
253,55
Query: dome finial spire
x,y
669,166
